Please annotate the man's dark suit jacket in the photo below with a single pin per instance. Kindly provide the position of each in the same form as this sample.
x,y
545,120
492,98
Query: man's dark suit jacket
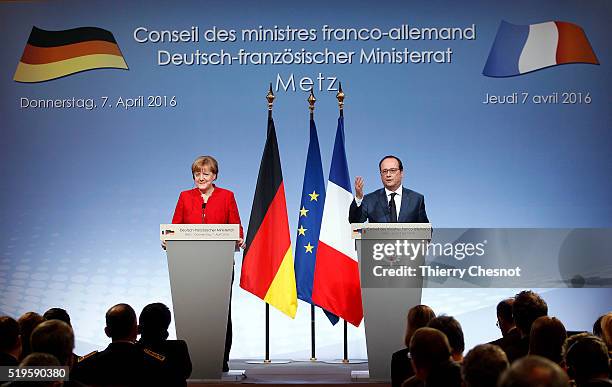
x,y
401,368
7,360
375,208
177,358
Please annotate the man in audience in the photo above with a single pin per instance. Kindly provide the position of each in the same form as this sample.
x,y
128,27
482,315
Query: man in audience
x,y
483,365
586,358
547,337
10,342
153,326
452,329
57,314
37,359
431,360
527,307
505,323
123,362
534,371
62,315
27,322
401,368
56,338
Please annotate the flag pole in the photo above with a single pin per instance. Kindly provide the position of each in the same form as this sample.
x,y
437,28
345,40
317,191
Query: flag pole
x,y
340,98
313,357
270,97
270,173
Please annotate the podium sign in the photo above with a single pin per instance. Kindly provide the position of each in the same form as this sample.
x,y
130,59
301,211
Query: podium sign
x,y
200,264
383,249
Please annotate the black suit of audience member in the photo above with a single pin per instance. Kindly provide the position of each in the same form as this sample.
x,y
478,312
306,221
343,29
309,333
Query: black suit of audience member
x,y
10,341
7,360
527,307
401,366
153,326
123,362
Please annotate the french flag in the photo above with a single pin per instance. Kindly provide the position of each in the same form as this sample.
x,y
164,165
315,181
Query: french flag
x,y
336,285
519,49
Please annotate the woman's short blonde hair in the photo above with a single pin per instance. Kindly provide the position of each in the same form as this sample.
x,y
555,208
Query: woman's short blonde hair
x,y
606,329
203,161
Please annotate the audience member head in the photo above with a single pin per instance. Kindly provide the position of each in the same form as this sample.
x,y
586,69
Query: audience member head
x,y
483,365
606,330
10,339
586,357
547,337
597,327
505,322
37,359
418,317
121,323
57,314
534,371
154,321
56,338
452,329
428,349
527,307
27,322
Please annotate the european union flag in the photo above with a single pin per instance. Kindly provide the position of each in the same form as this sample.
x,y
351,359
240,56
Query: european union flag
x,y
309,223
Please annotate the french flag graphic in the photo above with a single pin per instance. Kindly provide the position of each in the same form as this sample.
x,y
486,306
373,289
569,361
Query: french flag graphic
x,y
336,285
519,49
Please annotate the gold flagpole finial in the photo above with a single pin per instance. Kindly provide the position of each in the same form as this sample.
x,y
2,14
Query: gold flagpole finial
x,y
270,97
340,97
311,101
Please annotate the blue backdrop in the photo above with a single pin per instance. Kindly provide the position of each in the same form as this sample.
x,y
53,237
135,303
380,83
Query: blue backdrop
x,y
85,190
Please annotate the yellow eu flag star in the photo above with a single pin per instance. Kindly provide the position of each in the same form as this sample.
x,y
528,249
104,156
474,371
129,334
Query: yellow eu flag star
x,y
302,230
309,248
304,212
313,196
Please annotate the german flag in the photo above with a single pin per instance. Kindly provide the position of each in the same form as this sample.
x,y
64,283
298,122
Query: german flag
x,y
267,265
54,54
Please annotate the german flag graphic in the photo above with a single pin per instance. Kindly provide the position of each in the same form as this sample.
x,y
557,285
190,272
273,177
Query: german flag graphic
x,y
267,266
54,54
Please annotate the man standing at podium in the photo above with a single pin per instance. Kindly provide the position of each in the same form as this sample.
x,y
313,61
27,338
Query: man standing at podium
x,y
390,204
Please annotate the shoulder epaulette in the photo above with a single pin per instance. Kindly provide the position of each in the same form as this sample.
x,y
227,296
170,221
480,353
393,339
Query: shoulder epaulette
x,y
154,354
85,357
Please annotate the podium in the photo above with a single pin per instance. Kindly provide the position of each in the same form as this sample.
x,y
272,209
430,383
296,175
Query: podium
x,y
387,299
200,264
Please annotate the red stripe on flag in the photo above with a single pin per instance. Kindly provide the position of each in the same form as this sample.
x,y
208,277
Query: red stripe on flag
x,y
336,284
573,45
269,246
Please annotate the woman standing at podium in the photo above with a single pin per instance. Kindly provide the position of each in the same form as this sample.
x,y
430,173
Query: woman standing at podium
x,y
209,204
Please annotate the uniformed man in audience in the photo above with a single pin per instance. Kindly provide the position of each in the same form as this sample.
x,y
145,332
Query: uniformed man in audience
x,y
123,362
153,325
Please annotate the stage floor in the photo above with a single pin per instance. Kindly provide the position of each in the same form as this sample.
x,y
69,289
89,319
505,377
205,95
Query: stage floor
x,y
321,373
